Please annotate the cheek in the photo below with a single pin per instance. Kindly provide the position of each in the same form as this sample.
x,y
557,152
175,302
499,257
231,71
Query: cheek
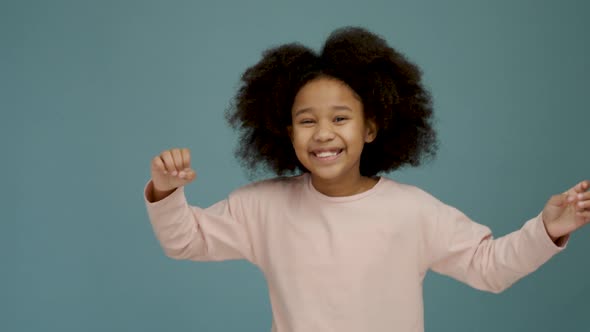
x,y
297,143
298,138
355,135
300,152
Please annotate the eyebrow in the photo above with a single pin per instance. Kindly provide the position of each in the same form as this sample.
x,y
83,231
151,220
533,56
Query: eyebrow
x,y
335,108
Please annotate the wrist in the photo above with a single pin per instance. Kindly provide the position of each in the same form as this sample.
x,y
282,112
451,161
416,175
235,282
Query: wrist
x,y
156,194
557,239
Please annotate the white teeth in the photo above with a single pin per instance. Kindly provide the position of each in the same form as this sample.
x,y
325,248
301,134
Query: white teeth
x,y
326,154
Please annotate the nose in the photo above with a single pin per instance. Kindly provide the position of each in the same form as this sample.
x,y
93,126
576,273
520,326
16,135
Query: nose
x,y
324,132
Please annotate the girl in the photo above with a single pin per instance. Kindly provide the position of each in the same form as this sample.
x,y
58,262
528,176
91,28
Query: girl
x,y
344,249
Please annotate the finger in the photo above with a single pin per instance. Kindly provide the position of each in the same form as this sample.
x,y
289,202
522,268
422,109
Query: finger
x,y
168,161
187,174
583,205
190,175
558,200
583,196
177,156
581,187
584,215
158,164
186,157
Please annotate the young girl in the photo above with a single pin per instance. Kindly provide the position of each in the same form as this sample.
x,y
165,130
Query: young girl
x,y
344,249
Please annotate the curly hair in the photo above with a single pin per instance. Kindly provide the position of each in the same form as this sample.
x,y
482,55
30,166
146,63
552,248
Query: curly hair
x,y
387,83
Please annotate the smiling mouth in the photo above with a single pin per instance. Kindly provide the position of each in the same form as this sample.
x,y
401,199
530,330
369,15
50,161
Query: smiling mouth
x,y
327,155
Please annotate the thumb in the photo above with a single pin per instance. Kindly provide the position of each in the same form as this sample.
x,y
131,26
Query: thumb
x,y
189,174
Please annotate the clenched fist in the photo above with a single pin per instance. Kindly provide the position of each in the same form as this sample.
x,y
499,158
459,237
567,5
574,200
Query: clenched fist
x,y
170,170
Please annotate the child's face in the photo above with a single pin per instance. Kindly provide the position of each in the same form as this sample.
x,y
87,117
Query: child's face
x,y
329,130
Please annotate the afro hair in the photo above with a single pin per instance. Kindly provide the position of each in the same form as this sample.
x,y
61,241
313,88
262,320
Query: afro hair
x,y
388,85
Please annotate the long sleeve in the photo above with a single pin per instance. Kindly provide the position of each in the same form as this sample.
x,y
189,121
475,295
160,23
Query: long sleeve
x,y
218,232
467,251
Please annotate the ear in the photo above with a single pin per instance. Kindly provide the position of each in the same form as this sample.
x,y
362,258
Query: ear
x,y
290,131
370,130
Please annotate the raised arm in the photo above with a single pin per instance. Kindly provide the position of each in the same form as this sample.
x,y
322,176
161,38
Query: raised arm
x,y
219,232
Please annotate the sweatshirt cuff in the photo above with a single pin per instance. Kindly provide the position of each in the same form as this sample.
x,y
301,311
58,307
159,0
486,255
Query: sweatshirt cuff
x,y
547,243
173,200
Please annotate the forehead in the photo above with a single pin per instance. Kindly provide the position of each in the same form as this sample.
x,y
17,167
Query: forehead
x,y
325,92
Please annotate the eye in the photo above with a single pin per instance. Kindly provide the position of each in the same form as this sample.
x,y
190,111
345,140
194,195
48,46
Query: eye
x,y
306,121
340,119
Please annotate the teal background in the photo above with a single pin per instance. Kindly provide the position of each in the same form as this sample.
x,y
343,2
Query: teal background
x,y
90,91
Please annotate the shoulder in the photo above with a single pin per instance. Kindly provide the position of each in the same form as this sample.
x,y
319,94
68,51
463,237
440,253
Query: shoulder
x,y
404,190
409,198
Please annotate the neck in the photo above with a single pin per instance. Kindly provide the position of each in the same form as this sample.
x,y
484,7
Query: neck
x,y
343,187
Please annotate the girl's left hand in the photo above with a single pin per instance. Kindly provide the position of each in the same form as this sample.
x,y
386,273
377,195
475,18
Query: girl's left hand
x,y
567,212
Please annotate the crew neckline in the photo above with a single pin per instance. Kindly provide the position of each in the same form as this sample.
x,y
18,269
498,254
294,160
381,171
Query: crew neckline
x,y
340,199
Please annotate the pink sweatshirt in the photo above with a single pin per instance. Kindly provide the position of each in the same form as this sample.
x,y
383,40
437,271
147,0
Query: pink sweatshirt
x,y
352,263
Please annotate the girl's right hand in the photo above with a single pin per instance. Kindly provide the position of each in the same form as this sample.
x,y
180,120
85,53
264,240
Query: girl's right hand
x,y
171,169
